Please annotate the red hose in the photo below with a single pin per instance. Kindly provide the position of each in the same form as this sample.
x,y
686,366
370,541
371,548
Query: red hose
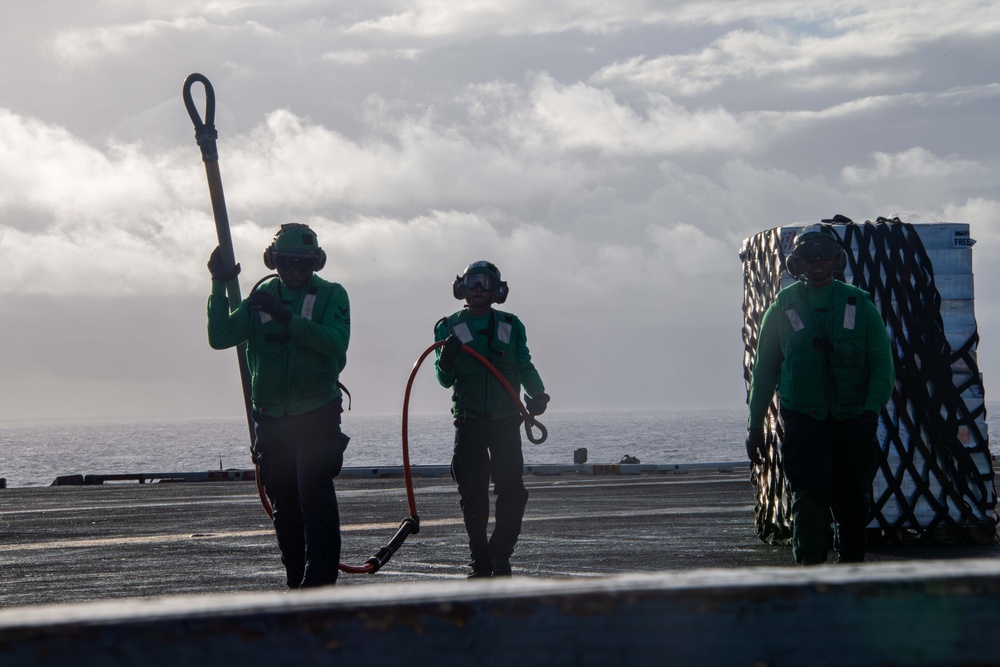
x,y
529,419
260,492
411,524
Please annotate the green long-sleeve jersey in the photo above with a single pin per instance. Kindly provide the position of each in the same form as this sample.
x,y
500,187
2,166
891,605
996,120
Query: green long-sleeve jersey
x,y
294,368
500,338
826,350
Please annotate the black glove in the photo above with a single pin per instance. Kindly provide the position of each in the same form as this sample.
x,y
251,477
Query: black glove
x,y
217,268
270,304
755,445
449,352
865,427
536,403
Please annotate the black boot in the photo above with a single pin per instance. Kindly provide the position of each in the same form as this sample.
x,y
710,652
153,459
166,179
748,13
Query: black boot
x,y
480,569
502,568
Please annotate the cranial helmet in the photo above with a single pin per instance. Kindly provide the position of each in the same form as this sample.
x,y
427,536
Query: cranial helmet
x,y
816,239
816,231
484,274
297,241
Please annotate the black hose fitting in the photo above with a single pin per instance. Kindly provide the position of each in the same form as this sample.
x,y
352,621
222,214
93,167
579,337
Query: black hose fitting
x,y
409,525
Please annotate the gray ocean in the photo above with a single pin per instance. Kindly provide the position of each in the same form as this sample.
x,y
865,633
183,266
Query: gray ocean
x,y
34,453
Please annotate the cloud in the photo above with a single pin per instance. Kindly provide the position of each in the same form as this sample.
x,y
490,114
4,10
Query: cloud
x,y
792,61
609,157
844,46
44,167
407,161
986,212
149,209
94,220
360,57
434,18
686,252
82,47
579,117
915,163
766,197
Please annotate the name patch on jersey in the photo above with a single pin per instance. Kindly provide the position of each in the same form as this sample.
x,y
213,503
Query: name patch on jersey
x,y
308,303
793,317
462,331
850,315
503,332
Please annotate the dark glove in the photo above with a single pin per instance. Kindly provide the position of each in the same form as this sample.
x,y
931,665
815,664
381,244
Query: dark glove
x,y
217,267
449,352
270,304
536,403
755,445
866,427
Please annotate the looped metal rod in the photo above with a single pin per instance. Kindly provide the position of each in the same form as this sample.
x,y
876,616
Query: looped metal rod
x,y
204,130
206,135
529,419
529,423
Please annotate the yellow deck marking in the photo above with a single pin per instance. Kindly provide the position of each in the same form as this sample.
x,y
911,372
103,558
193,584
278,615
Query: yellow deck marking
x,y
346,528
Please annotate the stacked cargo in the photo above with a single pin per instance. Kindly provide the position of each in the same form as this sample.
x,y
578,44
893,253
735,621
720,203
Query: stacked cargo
x,y
935,479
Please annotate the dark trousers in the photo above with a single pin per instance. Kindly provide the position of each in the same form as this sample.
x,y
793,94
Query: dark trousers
x,y
829,472
298,457
484,450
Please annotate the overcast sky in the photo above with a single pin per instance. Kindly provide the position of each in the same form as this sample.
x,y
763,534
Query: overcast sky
x,y
609,157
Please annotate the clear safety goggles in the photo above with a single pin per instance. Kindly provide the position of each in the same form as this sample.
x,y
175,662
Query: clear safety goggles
x,y
304,264
812,251
483,281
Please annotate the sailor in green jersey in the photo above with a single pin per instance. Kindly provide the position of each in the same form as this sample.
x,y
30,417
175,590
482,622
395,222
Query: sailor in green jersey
x,y
824,346
296,328
487,420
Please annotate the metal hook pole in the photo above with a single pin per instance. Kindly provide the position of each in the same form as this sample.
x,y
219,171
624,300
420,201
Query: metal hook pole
x,y
206,135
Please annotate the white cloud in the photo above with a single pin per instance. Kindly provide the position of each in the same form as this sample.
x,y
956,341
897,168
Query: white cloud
x,y
915,163
609,157
895,21
86,47
81,47
768,197
437,18
359,57
688,252
860,50
45,168
410,162
581,117
95,259
790,60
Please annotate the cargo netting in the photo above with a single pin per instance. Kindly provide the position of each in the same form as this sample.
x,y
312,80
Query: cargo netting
x,y
935,481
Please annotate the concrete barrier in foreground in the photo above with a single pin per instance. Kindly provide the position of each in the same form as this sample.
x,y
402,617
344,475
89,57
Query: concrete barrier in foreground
x,y
912,613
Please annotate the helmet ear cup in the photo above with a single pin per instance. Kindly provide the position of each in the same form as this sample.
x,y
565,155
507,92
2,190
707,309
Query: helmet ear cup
x,y
269,257
501,292
320,259
841,263
458,288
794,266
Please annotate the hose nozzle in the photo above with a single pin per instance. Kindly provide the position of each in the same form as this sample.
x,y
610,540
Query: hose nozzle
x,y
409,525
